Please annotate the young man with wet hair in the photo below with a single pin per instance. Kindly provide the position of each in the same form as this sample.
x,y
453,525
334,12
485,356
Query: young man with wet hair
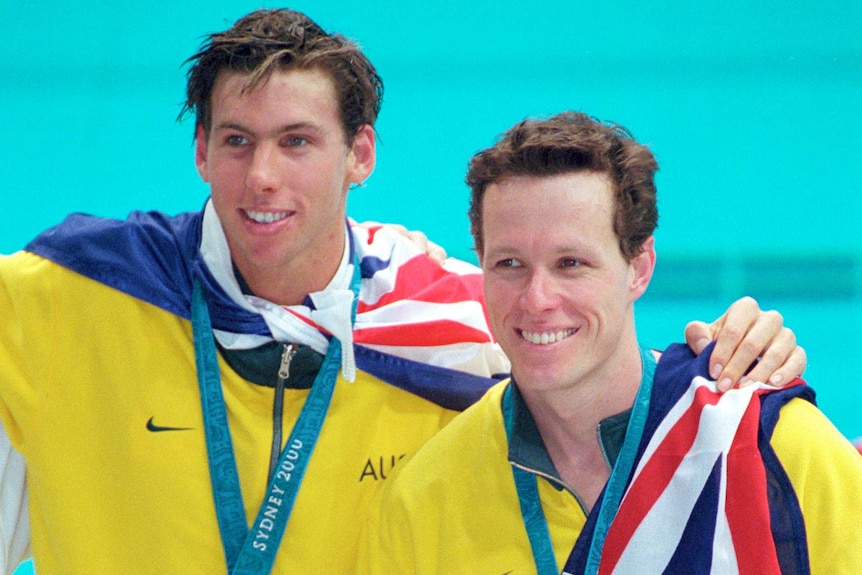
x,y
599,455
225,390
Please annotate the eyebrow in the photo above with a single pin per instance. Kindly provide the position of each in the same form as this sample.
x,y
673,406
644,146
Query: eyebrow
x,y
302,126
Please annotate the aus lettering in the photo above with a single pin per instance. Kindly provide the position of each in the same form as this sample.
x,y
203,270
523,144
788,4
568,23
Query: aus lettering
x,y
379,468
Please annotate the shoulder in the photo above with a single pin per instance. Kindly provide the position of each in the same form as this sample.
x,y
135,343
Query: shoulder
x,y
381,250
410,304
148,255
23,263
395,271
805,438
28,277
453,505
485,416
472,443
84,238
826,473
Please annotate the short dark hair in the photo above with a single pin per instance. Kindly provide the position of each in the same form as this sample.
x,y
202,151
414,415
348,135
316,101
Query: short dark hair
x,y
267,40
573,142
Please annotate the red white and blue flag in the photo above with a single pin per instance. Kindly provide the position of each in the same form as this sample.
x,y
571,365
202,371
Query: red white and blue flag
x,y
418,325
697,500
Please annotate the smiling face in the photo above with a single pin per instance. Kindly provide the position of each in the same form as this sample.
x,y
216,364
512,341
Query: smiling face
x,y
559,292
279,168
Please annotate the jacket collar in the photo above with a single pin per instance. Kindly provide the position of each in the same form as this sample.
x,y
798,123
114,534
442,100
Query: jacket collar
x,y
527,450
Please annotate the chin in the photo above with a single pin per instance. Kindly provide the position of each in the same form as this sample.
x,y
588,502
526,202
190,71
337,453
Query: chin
x,y
541,376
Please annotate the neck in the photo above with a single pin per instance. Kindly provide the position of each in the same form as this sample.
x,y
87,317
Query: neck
x,y
285,283
568,419
574,409
291,284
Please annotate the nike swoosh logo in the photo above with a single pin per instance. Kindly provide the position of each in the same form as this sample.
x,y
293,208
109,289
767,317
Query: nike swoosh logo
x,y
156,428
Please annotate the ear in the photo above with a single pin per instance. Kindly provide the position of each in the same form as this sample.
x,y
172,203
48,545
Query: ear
x,y
642,266
201,153
362,156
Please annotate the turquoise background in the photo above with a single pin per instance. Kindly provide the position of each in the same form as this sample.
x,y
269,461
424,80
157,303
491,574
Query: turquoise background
x,y
754,111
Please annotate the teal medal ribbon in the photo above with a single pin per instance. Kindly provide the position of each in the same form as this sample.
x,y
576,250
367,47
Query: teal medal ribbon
x,y
531,506
253,551
528,491
618,481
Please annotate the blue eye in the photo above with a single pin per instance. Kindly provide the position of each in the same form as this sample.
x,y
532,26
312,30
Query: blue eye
x,y
508,263
570,263
235,140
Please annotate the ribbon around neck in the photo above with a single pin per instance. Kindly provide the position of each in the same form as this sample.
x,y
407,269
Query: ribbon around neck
x,y
527,489
253,551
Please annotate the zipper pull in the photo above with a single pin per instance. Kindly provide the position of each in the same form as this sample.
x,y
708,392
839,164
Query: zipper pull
x,y
286,356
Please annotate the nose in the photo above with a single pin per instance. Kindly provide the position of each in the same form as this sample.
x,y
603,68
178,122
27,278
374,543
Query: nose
x,y
540,293
263,172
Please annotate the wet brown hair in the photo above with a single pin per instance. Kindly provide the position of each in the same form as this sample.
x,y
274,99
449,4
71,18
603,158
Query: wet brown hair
x,y
573,142
264,41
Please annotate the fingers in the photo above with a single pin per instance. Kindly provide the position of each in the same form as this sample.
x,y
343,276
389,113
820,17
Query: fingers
x,y
743,347
729,332
743,335
398,228
436,252
794,367
432,250
698,335
781,363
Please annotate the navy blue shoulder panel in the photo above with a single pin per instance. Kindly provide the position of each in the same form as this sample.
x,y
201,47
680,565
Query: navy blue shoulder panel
x,y
447,388
785,513
150,256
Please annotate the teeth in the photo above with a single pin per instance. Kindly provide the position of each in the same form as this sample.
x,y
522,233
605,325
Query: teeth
x,y
266,217
547,337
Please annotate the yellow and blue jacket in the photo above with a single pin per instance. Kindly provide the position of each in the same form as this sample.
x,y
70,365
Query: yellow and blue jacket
x,y
98,392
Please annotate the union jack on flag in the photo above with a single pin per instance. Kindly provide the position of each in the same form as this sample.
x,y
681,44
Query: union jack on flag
x,y
418,325
697,499
413,308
